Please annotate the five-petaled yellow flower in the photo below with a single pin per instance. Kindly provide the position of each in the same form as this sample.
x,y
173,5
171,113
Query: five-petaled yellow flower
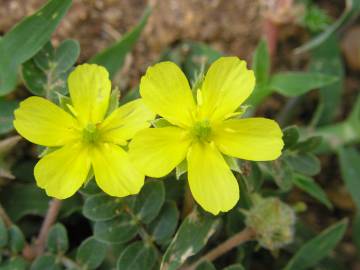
x,y
84,139
204,130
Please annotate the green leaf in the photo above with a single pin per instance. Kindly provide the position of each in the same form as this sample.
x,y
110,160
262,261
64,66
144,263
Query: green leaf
x,y
43,59
57,241
164,226
7,108
304,163
20,200
235,267
4,237
290,136
26,39
282,174
191,237
308,145
119,230
101,207
137,256
317,248
206,265
16,239
15,263
149,201
351,11
261,63
113,57
45,74
327,59
46,262
308,185
292,84
349,160
34,78
66,55
91,253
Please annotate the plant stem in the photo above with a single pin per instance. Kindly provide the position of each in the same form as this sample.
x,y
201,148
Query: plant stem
x,y
240,238
50,218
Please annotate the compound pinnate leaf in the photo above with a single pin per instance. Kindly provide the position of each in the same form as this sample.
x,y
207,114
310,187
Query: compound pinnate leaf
x,y
16,239
57,241
206,265
137,256
164,226
15,263
101,207
149,201
119,230
46,262
290,136
91,253
192,235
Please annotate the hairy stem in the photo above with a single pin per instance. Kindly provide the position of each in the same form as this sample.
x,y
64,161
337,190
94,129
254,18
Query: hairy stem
x,y
50,218
240,238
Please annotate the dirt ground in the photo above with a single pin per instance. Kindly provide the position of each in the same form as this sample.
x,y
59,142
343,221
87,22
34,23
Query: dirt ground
x,y
98,23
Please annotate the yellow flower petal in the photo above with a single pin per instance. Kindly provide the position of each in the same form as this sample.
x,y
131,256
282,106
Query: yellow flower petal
x,y
157,151
44,123
125,121
114,173
62,172
228,83
89,87
211,181
256,139
166,91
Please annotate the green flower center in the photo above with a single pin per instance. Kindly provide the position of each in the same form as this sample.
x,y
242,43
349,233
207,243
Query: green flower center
x,y
91,133
202,130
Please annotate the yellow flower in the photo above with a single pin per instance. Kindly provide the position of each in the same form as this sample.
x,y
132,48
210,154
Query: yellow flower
x,y
85,138
204,130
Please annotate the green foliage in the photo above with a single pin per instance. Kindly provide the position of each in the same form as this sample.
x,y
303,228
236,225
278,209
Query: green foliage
x,y
7,108
16,239
192,235
17,46
349,159
57,241
91,253
46,262
308,185
45,74
351,11
317,248
292,84
137,256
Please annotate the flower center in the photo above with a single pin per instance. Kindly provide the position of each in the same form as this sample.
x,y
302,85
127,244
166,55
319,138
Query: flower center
x,y
202,130
91,133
